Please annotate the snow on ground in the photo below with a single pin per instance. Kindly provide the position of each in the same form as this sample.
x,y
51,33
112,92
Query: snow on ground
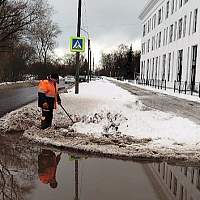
x,y
117,108
106,114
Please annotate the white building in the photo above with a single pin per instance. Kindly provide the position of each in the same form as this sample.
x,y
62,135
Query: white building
x,y
171,41
175,182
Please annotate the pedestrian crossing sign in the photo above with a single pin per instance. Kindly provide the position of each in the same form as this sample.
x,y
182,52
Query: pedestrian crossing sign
x,y
77,44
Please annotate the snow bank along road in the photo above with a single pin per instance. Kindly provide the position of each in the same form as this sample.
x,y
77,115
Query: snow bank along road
x,y
113,122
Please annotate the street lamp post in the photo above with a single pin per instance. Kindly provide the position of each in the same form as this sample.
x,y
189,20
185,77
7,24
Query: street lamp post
x,y
89,58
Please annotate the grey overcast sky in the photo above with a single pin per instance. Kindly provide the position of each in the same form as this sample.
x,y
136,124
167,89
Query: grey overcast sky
x,y
109,22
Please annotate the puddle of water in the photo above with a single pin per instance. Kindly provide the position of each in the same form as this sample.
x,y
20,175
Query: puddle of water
x,y
32,173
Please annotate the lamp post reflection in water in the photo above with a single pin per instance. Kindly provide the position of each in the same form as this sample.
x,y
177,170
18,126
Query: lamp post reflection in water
x,y
76,180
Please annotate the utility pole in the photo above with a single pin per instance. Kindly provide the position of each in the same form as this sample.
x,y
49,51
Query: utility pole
x,y
88,70
90,65
93,65
77,53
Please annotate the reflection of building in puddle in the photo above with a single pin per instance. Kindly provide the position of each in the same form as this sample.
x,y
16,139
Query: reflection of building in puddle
x,y
181,183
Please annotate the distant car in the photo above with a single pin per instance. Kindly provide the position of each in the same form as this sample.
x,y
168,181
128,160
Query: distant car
x,y
121,78
69,79
82,78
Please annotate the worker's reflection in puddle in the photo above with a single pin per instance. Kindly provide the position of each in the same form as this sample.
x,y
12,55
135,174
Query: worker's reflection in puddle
x,y
47,166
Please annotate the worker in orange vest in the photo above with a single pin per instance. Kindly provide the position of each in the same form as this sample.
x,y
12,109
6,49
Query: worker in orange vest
x,y
47,167
48,98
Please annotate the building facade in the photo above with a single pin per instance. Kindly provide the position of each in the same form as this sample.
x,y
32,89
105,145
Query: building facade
x,y
175,182
171,41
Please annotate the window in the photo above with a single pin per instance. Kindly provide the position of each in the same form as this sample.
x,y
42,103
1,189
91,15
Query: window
x,y
167,10
189,31
148,26
159,16
163,171
143,48
185,171
195,21
198,179
153,63
175,186
169,66
170,180
153,21
164,37
164,64
192,175
180,3
172,8
156,73
184,25
144,28
180,27
171,33
156,40
153,43
147,71
148,46
181,192
180,65
176,5
143,70
175,29
159,40
188,67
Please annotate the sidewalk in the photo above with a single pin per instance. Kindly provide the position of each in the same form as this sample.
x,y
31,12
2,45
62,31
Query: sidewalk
x,y
181,105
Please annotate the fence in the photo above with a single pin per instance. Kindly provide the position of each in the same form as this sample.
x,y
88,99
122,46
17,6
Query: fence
x,y
160,84
178,86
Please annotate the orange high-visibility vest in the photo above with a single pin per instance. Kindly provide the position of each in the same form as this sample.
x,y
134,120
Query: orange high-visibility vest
x,y
49,175
49,89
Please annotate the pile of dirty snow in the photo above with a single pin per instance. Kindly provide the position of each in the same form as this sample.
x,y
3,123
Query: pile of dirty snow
x,y
21,119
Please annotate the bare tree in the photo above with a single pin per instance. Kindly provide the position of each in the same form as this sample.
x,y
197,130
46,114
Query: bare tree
x,y
122,62
43,38
16,17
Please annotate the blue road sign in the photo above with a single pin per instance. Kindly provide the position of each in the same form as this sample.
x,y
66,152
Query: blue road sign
x,y
77,44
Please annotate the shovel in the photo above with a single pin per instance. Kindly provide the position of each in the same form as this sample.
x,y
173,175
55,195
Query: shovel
x,y
66,113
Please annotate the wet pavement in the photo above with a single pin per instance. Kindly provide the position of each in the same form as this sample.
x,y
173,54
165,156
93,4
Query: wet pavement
x,y
30,172
14,98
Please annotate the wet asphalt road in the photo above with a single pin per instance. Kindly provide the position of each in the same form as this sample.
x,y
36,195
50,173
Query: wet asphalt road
x,y
180,107
12,99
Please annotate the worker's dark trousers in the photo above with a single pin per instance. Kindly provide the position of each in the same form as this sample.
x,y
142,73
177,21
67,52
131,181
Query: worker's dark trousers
x,y
47,116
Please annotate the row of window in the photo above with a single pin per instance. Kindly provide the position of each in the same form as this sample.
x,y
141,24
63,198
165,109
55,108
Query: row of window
x,y
153,69
158,17
172,32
